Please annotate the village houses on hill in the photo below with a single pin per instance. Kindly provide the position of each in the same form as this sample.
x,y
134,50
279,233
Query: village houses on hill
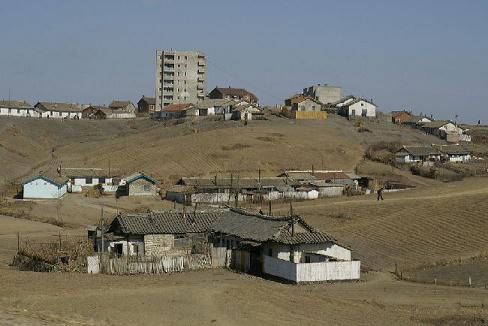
x,y
231,93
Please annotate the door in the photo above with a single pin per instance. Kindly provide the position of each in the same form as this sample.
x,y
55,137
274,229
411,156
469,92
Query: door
x,y
256,264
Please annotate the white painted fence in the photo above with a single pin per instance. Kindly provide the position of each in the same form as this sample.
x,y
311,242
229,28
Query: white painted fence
x,y
312,272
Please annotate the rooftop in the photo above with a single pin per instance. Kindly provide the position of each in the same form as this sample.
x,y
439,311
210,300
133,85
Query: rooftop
x,y
164,222
243,224
420,150
177,107
119,104
235,92
262,228
13,104
56,106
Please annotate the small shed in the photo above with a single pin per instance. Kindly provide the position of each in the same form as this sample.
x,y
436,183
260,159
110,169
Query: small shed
x,y
140,184
44,187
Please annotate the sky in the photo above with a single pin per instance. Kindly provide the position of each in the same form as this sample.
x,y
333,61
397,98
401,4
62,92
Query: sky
x,y
429,56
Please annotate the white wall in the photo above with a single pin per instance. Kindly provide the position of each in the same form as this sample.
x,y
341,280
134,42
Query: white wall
x,y
312,272
328,271
40,188
459,158
60,114
19,112
95,181
280,268
282,251
356,109
331,191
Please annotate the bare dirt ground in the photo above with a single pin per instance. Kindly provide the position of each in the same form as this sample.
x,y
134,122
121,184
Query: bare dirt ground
x,y
219,297
442,222
435,223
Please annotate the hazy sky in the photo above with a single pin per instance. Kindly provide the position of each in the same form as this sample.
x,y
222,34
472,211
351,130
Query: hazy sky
x,y
428,56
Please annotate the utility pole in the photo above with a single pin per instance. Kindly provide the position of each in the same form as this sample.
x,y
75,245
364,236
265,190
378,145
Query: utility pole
x,y
102,231
269,208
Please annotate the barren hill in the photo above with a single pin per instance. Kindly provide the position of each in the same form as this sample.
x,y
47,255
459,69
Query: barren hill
x,y
170,151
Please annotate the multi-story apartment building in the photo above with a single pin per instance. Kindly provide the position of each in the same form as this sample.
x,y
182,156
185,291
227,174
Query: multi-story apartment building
x,y
180,77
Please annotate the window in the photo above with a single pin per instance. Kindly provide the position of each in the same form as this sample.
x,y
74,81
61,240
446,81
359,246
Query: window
x,y
101,180
146,188
88,181
307,259
270,252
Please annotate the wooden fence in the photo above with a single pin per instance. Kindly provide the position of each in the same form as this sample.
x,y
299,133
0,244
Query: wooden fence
x,y
129,265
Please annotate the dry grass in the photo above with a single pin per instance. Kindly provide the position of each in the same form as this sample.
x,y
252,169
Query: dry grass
x,y
410,228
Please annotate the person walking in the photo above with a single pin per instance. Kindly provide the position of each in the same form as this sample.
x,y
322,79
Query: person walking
x,y
380,193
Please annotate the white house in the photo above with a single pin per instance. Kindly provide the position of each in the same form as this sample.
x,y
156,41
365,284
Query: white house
x,y
78,178
42,187
455,153
417,154
59,110
245,112
357,107
210,107
17,109
446,130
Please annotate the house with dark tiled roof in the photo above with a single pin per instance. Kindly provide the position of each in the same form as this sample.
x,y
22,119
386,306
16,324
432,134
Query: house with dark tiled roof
x,y
417,154
58,110
232,93
160,233
455,153
282,246
13,108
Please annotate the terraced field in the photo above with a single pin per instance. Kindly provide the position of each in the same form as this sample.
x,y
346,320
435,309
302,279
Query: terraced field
x,y
418,227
